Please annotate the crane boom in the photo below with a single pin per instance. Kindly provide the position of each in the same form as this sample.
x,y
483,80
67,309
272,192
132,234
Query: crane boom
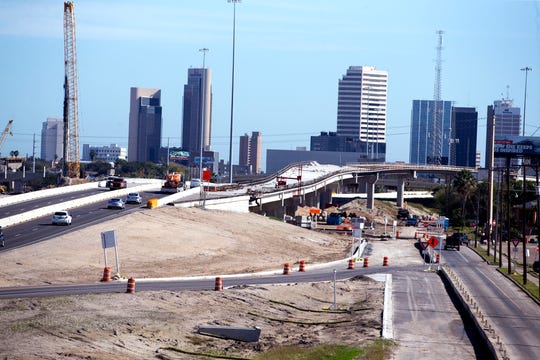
x,y
71,110
6,131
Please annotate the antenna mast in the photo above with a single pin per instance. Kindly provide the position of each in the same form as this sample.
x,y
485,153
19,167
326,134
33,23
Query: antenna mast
x,y
71,166
437,130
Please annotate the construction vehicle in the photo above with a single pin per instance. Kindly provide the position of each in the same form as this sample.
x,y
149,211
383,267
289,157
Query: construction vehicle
x,y
174,182
6,131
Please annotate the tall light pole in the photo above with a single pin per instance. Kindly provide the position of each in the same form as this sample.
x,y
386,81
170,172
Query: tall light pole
x,y
232,89
526,69
203,118
203,111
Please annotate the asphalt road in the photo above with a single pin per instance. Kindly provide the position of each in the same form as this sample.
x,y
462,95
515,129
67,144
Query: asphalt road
x,y
512,313
41,229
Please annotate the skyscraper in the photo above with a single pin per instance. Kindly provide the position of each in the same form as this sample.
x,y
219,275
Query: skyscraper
x,y
463,138
52,139
361,113
422,149
144,125
197,110
249,153
507,122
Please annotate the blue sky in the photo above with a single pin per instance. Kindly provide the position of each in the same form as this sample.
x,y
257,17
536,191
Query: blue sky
x,y
289,58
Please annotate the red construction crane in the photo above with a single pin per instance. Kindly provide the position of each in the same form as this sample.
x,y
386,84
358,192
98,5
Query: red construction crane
x,y
71,89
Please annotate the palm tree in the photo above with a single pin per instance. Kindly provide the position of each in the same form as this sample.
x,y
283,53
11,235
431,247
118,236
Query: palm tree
x,y
465,185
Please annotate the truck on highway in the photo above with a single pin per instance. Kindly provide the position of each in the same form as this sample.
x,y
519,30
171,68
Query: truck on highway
x,y
115,183
174,183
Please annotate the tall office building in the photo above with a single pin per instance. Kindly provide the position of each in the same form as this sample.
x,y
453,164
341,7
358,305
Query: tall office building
x,y
52,139
197,110
249,154
144,125
361,113
422,150
507,120
463,138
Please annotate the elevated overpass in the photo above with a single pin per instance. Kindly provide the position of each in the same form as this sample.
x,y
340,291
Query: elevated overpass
x,y
312,184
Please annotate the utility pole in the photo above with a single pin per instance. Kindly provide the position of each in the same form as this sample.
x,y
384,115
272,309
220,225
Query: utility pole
x,y
232,90
34,154
526,69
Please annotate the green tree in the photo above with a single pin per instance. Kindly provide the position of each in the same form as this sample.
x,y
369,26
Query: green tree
x,y
464,185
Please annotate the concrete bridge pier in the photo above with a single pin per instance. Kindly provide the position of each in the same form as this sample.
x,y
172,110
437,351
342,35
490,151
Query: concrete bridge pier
x,y
401,187
370,190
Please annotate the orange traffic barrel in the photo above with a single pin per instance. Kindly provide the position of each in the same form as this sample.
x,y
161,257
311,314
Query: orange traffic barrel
x,y
106,274
130,286
351,264
219,284
416,234
286,269
397,234
152,203
385,261
366,262
302,266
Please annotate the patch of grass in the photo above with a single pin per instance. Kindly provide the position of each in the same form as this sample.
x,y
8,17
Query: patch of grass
x,y
480,250
532,283
378,350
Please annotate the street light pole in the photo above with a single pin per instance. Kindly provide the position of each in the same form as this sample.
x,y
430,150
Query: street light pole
x,y
232,90
526,69
203,118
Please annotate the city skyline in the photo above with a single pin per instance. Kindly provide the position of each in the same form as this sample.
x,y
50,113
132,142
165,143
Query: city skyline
x,y
289,58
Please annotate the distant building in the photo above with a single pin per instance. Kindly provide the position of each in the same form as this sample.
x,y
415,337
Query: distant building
x,y
145,122
52,139
249,154
463,138
507,122
112,152
197,110
361,113
330,141
423,150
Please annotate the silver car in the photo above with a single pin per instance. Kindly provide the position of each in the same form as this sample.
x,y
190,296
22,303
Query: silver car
x,y
115,203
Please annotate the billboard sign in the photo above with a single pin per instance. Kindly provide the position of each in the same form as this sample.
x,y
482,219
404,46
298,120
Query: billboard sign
x,y
517,146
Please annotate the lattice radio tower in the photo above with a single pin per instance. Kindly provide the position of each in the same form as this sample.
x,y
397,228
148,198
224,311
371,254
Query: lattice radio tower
x,y
71,166
437,131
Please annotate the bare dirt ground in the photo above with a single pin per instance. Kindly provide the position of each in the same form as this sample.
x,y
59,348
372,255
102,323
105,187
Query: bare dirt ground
x,y
170,242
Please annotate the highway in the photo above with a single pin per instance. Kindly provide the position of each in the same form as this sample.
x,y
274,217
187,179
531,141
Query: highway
x,y
41,229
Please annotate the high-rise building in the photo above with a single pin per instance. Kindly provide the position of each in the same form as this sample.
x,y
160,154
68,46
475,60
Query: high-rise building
x,y
362,97
463,137
197,110
144,125
422,149
249,154
52,139
507,120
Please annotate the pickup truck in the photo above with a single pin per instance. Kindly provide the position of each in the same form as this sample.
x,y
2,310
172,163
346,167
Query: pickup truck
x,y
453,242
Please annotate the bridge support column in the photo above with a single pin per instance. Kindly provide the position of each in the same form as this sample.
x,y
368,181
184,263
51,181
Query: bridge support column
x,y
401,187
370,190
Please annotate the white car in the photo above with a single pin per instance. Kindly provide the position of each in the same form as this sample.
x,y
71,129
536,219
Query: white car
x,y
133,198
62,217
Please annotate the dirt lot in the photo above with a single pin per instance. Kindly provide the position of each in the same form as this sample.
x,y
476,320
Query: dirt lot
x,y
181,242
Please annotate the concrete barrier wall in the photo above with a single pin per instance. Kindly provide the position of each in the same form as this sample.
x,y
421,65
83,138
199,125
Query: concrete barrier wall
x,y
236,204
19,198
49,210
